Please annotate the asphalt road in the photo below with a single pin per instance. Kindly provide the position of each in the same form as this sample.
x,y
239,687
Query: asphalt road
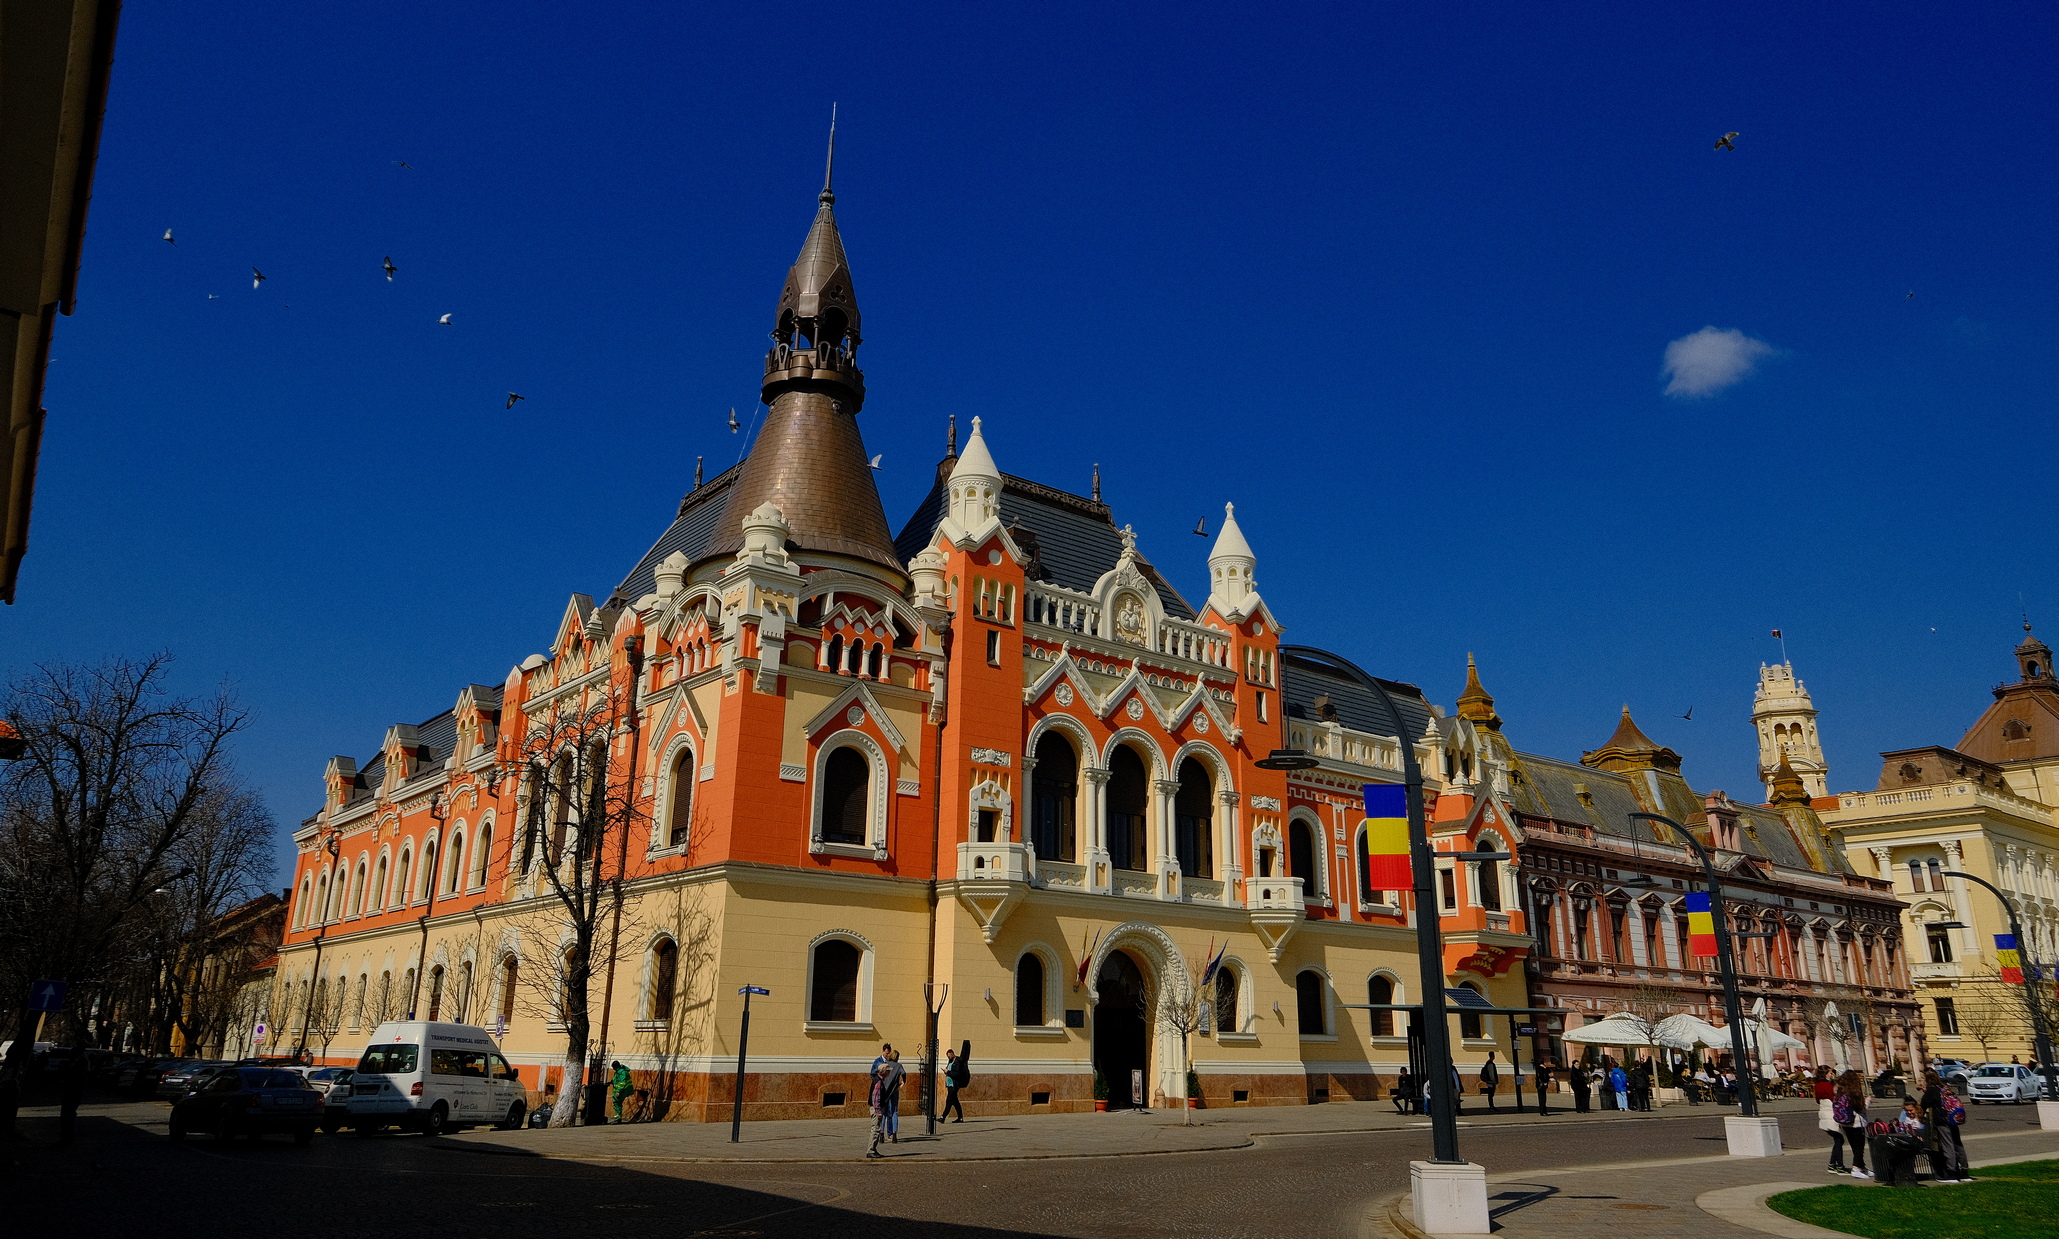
x,y
123,1177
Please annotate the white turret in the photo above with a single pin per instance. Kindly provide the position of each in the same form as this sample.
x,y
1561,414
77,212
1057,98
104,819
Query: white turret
x,y
1785,719
975,499
1232,583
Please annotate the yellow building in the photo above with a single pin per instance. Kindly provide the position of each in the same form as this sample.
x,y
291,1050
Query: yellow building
x,y
1985,806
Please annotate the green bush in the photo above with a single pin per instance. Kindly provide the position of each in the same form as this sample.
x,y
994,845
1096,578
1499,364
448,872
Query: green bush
x,y
1193,1083
1100,1087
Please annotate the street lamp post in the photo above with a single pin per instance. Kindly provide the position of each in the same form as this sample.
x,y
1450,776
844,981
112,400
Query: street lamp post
x,y
2041,1037
1741,1144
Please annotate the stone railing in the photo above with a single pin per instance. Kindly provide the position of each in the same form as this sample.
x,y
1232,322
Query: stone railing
x,y
993,862
1131,882
1061,874
1344,744
1195,643
1202,890
1055,607
1942,797
1274,895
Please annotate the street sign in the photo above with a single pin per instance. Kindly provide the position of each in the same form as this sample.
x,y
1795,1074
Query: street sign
x,y
1526,1030
500,1027
258,1033
1136,1086
47,995
753,989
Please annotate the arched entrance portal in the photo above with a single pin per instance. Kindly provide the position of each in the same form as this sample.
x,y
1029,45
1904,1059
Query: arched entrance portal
x,y
1121,1045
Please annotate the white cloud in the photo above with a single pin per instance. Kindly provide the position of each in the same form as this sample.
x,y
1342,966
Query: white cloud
x,y
1702,363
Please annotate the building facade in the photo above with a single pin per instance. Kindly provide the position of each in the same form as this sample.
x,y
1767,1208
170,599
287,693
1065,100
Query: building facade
x,y
1984,806
997,766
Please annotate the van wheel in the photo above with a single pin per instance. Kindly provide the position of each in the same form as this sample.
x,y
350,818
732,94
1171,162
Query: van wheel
x,y
437,1121
517,1111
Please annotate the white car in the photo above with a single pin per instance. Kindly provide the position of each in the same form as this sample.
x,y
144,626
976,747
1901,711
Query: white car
x,y
2010,1082
434,1078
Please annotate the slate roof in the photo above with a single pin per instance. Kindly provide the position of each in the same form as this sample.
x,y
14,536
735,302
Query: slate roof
x,y
688,533
1076,539
1307,673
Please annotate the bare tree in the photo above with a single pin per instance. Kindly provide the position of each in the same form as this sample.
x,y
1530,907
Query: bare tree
x,y
1183,1013
108,823
579,813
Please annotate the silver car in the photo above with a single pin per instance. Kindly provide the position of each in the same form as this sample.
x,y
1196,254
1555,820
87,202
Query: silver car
x,y
1998,1082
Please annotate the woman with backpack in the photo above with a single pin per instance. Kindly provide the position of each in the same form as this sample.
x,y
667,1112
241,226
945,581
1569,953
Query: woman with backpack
x,y
1848,1112
1943,1110
1897,1141
1825,1089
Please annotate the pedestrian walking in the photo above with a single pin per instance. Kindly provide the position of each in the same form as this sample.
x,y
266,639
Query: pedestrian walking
x,y
1944,1112
895,1074
1619,1084
1581,1084
1848,1111
1825,1090
1490,1080
876,1102
1543,1077
1640,1085
956,1076
620,1085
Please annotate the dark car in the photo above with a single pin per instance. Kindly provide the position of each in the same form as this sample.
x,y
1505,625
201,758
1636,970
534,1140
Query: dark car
x,y
150,1072
333,1083
249,1101
176,1084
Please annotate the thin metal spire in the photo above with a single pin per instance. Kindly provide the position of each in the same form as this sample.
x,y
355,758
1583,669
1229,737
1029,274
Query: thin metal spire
x,y
698,461
829,168
951,444
1097,481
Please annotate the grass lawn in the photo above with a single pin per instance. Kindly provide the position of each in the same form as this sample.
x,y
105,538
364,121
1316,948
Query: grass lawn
x,y
2008,1202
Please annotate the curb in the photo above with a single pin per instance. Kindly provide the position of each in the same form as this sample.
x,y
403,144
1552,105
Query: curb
x,y
904,1158
1746,1206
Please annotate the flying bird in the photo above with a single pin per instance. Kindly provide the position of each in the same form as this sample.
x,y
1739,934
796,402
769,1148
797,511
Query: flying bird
x,y
1911,296
512,397
1689,716
212,297
1201,528
732,421
256,277
404,163
388,268
168,237
445,320
1723,143
877,459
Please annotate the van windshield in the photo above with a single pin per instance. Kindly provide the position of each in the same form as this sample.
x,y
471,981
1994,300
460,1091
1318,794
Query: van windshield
x,y
389,1060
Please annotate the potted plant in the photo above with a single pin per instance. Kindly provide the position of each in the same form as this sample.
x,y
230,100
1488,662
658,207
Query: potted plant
x,y
1100,1093
1195,1101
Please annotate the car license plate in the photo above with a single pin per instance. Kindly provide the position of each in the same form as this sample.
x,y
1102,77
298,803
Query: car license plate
x,y
364,1090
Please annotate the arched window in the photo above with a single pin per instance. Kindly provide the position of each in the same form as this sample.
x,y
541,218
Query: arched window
x,y
833,989
835,660
680,814
399,897
436,992
461,1010
1301,857
482,854
357,890
1054,792
1128,799
382,1005
1310,1010
378,890
560,791
322,900
307,902
1029,990
664,977
428,870
1487,874
510,974
1194,820
456,865
1380,993
846,796
1468,1020
1366,893
407,986
1226,1000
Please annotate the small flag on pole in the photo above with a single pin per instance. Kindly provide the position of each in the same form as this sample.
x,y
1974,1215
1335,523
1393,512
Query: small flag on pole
x,y
1776,634
1087,957
1701,925
2008,959
1215,961
1386,827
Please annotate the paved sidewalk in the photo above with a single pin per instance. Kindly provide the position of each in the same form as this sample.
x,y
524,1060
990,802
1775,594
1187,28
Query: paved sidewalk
x,y
1120,1133
1712,1197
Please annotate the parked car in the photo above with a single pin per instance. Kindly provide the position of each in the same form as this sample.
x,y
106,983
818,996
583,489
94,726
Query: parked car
x,y
434,1078
333,1083
249,1101
143,1075
1999,1082
176,1084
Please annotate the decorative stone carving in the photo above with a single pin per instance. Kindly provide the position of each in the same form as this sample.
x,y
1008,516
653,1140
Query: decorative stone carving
x,y
1266,802
855,715
1129,620
1201,722
1062,694
1135,709
992,757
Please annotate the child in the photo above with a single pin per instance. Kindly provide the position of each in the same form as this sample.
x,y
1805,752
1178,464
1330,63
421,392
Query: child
x,y
1907,1135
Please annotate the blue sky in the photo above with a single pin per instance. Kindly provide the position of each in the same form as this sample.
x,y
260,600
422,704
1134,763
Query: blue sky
x,y
1400,282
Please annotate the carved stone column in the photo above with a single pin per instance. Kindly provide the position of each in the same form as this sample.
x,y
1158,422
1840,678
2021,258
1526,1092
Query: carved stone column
x,y
1883,862
1094,832
1962,908
1165,863
1229,851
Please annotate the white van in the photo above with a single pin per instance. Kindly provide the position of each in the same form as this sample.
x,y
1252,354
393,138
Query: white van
x,y
434,1078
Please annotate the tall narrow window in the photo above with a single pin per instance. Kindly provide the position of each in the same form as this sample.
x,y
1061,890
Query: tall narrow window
x,y
377,893
1916,876
1947,1018
461,1010
482,855
1309,1008
1380,993
560,808
1940,944
833,996
681,815
428,869
1447,889
1029,991
457,861
510,976
1487,876
1469,1021
436,992
1226,1000
1194,820
1365,872
846,796
1301,857
664,978
1937,873
1054,793
1128,799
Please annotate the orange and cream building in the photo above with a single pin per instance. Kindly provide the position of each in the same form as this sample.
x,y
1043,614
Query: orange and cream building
x,y
999,759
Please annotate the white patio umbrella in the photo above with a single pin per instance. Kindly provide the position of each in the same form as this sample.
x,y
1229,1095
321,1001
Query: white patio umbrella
x,y
1622,1028
1687,1031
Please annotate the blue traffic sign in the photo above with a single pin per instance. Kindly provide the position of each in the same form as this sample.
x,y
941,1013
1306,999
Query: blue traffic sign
x,y
47,995
752,989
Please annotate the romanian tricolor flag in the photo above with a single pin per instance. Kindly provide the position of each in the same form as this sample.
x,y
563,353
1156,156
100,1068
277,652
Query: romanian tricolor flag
x,y
1386,827
2007,958
1701,926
